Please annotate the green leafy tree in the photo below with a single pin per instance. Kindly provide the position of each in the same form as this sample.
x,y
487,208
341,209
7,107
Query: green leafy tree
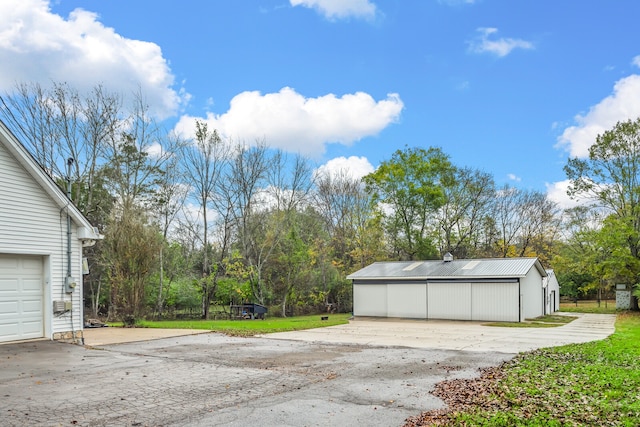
x,y
130,249
409,189
609,178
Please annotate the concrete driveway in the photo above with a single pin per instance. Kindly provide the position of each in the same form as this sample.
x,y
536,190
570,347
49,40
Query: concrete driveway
x,y
214,380
451,335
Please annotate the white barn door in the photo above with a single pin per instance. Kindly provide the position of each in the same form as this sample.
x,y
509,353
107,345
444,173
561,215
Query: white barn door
x,y
407,300
449,301
370,300
496,302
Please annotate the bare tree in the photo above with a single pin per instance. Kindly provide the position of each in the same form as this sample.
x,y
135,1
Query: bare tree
x,y
526,222
170,197
507,212
32,117
204,161
540,225
245,180
468,194
60,123
353,226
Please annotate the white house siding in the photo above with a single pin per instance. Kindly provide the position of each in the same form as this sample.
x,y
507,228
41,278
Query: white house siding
x,y
497,302
408,300
451,300
32,224
370,300
532,295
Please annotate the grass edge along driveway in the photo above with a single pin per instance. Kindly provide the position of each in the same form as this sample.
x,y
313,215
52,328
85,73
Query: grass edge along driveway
x,y
253,327
591,384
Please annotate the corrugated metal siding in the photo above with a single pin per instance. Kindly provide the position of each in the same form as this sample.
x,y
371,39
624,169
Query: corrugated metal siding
x,y
496,302
370,300
532,296
450,301
407,300
31,223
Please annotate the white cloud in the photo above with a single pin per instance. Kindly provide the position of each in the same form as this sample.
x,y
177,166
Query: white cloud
x,y
623,104
636,61
37,45
557,192
353,167
289,121
514,177
500,47
340,9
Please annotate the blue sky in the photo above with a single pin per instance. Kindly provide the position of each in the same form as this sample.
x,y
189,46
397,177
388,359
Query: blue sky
x,y
509,87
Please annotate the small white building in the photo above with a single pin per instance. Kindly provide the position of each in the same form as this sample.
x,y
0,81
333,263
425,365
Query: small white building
x,y
41,238
499,289
552,293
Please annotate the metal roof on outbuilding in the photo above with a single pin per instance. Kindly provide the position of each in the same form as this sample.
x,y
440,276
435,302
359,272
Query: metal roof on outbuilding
x,y
456,269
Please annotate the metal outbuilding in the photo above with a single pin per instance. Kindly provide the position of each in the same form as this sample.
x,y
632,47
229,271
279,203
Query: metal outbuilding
x,y
496,289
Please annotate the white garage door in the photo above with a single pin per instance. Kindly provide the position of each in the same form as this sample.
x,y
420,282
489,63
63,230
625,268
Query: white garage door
x,y
497,302
407,300
451,301
21,297
370,300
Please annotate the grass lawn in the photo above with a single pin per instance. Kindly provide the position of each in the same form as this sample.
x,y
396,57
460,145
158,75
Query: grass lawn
x,y
252,327
589,306
592,384
546,321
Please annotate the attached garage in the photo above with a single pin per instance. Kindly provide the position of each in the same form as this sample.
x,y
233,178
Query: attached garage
x,y
41,239
505,289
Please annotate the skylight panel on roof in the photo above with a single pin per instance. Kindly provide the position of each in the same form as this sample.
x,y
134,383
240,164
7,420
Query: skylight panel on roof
x,y
412,266
471,265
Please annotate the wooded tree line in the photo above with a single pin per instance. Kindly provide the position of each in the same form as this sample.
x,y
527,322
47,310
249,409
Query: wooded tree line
x,y
194,224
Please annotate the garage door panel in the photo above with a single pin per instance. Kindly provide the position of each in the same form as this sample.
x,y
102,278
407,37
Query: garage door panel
x,y
9,286
407,300
449,301
9,331
8,308
8,263
32,286
32,329
32,306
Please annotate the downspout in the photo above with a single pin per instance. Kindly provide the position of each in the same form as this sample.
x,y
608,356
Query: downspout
x,y
69,163
68,280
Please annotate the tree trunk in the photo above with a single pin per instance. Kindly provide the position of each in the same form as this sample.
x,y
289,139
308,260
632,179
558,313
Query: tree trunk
x,y
159,302
284,305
